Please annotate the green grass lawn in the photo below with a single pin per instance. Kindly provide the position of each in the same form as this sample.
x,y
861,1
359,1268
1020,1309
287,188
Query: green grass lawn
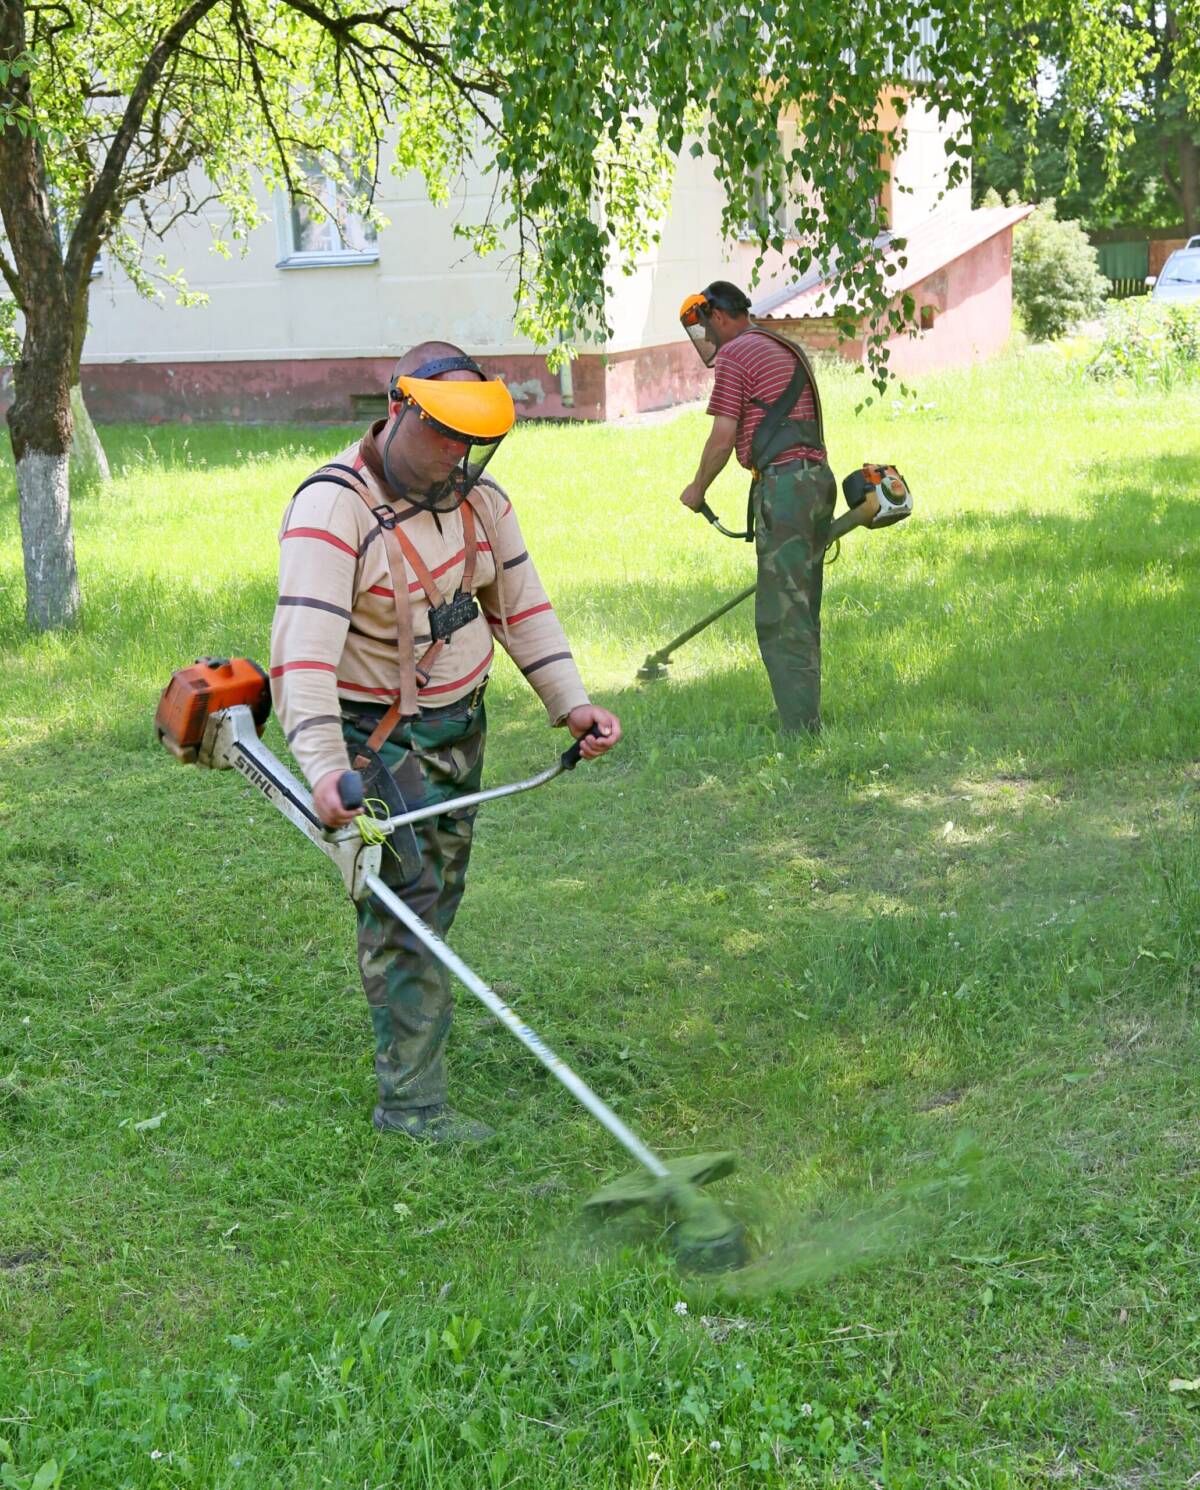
x,y
933,976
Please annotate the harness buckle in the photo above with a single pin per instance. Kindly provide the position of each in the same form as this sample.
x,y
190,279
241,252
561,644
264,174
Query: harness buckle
x,y
452,616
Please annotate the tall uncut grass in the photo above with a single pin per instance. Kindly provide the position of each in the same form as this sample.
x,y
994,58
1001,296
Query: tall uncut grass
x,y
932,975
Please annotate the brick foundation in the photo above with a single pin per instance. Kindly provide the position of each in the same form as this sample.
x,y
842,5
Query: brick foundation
x,y
349,390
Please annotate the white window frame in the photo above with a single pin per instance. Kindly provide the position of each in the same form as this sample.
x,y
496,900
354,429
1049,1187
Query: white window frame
x,y
291,257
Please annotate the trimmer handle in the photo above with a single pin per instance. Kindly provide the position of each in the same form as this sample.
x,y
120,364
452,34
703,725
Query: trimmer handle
x,y
350,790
706,512
573,755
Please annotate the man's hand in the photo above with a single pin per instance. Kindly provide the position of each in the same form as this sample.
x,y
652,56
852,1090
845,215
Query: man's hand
x,y
692,496
580,721
328,805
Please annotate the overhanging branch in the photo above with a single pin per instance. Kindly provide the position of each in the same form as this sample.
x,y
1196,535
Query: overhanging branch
x,y
87,234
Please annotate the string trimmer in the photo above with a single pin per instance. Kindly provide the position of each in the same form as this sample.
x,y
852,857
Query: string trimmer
x,y
215,712
876,497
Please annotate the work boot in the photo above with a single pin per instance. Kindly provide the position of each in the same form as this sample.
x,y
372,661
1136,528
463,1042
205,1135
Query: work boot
x,y
437,1124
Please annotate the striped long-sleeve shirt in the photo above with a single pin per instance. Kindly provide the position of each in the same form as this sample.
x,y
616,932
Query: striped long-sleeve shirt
x,y
333,642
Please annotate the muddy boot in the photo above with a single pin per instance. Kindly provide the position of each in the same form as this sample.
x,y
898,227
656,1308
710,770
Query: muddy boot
x,y
440,1124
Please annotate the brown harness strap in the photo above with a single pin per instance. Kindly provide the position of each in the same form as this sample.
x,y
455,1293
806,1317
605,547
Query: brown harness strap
x,y
405,705
470,544
433,593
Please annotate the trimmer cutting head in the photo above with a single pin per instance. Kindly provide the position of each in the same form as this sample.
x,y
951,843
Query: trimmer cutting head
x,y
704,1237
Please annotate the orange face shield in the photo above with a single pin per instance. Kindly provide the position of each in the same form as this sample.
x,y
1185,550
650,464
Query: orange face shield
x,y
476,415
693,317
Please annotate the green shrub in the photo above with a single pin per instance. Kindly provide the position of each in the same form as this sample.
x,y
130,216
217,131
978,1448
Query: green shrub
x,y
1056,281
1150,341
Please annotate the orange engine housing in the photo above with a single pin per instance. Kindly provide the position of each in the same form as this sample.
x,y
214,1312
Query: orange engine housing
x,y
207,687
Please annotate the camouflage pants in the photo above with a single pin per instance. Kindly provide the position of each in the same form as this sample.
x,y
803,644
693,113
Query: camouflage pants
x,y
433,759
792,507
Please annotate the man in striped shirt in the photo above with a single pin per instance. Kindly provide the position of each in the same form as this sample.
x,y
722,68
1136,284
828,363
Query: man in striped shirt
x,y
765,406
356,675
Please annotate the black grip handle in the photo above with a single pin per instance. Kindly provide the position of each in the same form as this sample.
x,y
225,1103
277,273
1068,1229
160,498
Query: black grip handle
x,y
571,756
350,790
706,511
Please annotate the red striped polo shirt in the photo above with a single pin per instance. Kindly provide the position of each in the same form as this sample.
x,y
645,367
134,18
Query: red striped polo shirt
x,y
755,366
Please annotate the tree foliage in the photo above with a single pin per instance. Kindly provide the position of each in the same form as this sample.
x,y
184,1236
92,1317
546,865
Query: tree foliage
x,y
1147,173
117,117
152,111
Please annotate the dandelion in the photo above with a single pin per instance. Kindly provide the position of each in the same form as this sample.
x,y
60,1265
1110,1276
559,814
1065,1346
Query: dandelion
x,y
806,1409
681,1308
715,1446
156,1453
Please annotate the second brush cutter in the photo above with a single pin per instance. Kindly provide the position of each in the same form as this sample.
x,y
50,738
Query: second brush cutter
x,y
876,497
214,713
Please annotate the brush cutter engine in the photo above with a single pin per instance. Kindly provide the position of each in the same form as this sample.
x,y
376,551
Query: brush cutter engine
x,y
195,693
882,491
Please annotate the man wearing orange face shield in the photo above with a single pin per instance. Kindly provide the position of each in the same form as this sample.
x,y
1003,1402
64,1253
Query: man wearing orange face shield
x,y
400,564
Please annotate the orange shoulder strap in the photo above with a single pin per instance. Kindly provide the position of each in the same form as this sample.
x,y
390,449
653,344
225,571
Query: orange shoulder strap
x,y
405,705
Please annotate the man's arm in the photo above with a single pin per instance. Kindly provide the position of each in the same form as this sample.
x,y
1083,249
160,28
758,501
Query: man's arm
x,y
713,460
317,559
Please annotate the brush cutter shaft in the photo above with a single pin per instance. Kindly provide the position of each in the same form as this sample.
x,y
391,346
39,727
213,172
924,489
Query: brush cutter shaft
x,y
232,741
532,1042
660,658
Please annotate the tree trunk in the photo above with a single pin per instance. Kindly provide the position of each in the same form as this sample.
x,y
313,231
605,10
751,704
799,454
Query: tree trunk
x,y
1189,183
40,424
40,417
89,464
51,579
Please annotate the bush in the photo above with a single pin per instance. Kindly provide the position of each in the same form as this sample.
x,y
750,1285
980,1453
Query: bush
x,y
1150,341
1056,281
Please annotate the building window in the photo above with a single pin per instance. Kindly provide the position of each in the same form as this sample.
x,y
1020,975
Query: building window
x,y
782,219
319,229
62,232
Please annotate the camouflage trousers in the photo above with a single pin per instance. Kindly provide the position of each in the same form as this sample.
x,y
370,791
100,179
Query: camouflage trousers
x,y
433,759
792,508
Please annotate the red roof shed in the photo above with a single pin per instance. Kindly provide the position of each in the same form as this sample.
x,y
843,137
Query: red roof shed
x,y
958,269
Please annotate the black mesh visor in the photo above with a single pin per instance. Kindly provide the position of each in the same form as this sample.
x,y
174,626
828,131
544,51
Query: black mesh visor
x,y
452,492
